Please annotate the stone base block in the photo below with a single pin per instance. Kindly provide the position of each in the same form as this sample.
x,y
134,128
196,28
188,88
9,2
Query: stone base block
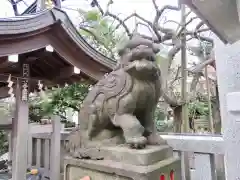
x,y
115,169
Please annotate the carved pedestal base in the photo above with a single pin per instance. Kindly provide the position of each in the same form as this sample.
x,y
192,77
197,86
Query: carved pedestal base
x,y
122,163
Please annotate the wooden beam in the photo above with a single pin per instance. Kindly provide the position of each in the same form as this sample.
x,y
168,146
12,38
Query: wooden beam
x,y
24,44
4,92
5,64
30,59
62,73
76,57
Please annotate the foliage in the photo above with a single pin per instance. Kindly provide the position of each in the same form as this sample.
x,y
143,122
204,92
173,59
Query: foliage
x,y
3,142
99,31
159,118
68,124
57,101
198,109
7,108
159,115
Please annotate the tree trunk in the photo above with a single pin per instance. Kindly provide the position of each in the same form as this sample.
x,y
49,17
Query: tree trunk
x,y
177,116
216,112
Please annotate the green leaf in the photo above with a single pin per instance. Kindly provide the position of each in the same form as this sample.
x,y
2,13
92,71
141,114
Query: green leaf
x,y
58,100
105,38
92,15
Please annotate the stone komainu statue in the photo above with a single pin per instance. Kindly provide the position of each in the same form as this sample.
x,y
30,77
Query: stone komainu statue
x,y
119,108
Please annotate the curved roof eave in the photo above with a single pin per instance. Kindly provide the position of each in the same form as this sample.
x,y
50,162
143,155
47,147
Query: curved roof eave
x,y
46,18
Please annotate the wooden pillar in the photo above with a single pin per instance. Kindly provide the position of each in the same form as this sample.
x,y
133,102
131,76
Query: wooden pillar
x,y
20,128
55,149
20,138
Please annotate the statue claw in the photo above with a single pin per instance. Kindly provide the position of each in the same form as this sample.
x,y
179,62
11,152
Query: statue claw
x,y
137,142
137,146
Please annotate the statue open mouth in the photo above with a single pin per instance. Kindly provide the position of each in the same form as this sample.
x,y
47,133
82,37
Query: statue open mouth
x,y
142,68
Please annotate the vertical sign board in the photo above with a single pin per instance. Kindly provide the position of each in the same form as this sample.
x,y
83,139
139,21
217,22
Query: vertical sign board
x,y
25,83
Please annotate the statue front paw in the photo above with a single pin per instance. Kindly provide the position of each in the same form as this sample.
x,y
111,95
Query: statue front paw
x,y
155,139
137,142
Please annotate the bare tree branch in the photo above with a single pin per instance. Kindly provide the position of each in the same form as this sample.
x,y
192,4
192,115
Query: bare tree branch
x,y
124,20
155,24
107,13
187,23
176,76
166,36
198,68
97,39
120,21
95,3
202,38
170,100
14,6
172,52
195,81
199,25
202,30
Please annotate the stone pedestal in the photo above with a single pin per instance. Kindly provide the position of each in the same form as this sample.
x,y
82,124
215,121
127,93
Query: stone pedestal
x,y
122,163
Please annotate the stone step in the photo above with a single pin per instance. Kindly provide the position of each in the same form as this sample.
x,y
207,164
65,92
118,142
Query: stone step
x,y
139,157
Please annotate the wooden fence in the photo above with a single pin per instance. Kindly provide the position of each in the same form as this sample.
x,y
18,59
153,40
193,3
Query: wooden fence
x,y
44,148
202,156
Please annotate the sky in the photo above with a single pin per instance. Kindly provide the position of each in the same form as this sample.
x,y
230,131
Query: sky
x,y
120,7
123,7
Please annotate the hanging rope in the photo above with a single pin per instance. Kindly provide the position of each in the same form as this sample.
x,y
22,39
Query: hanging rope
x,y
21,78
10,83
10,79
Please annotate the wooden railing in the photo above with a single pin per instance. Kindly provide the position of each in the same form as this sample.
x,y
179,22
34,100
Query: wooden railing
x,y
202,156
40,150
44,148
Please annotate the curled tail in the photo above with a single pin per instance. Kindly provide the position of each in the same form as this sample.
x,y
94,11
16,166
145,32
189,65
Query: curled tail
x,y
73,142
